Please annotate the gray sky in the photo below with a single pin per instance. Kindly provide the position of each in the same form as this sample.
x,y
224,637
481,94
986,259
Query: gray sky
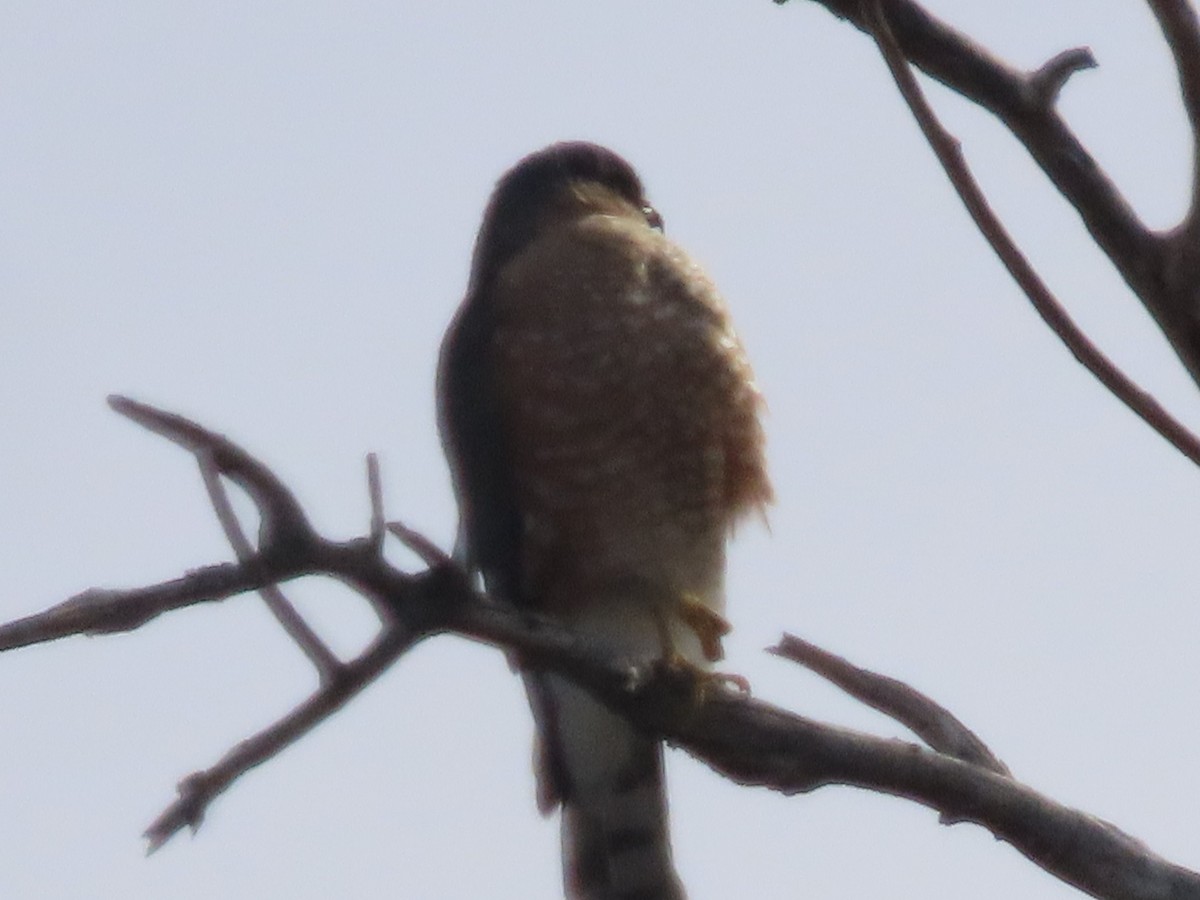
x,y
260,215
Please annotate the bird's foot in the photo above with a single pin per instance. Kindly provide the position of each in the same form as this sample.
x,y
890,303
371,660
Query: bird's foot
x,y
697,682
693,678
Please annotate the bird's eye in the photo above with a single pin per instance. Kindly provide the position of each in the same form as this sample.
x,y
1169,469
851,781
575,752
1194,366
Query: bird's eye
x,y
653,219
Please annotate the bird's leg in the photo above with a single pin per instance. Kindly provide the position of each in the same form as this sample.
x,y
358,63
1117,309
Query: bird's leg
x,y
706,623
709,627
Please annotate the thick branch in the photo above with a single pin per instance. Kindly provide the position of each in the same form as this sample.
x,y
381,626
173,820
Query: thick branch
x,y
100,611
1177,19
1179,25
755,743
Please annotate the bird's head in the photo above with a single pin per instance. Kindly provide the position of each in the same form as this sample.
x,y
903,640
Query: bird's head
x,y
562,180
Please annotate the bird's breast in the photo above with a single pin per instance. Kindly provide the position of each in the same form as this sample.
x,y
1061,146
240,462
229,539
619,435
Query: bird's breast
x,y
629,410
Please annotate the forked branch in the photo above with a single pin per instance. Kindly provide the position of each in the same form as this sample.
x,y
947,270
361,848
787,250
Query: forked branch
x,y
928,720
1162,268
1042,87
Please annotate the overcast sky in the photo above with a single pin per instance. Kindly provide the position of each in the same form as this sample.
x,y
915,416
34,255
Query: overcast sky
x,y
260,215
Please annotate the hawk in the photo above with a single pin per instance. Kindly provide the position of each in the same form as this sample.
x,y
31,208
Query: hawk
x,y
601,422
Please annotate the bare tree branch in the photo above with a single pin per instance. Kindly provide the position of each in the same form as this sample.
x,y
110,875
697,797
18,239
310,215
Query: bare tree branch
x,y
747,740
1047,82
283,527
428,552
753,743
1177,19
1161,268
322,658
199,789
962,65
100,611
928,720
1044,85
375,492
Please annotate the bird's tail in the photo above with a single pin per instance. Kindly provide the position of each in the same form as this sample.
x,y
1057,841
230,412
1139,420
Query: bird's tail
x,y
608,777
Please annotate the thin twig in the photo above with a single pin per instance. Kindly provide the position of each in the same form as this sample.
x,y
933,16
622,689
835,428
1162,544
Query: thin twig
x,y
1047,82
375,490
949,153
929,720
323,659
427,551
199,789
284,527
219,498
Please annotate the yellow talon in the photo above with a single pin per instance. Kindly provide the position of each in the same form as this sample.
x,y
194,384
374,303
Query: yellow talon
x,y
707,624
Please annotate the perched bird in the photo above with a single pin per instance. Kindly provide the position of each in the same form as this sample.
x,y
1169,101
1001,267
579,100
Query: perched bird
x,y
602,427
